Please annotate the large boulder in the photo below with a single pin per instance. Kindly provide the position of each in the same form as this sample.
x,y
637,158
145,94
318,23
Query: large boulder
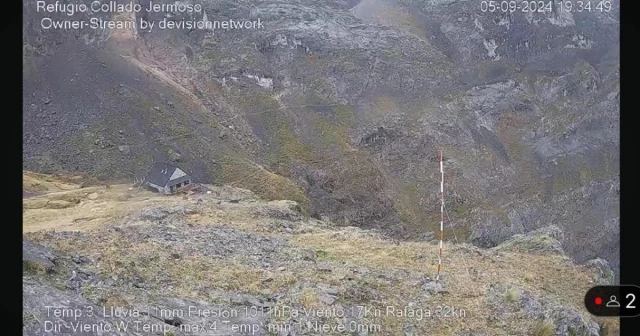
x,y
602,272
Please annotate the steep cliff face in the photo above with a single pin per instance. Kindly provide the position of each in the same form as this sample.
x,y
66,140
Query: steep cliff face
x,y
342,106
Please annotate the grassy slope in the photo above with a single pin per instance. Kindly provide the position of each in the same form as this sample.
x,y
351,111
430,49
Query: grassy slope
x,y
468,272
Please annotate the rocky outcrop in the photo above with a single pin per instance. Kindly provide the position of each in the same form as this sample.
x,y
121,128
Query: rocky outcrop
x,y
538,314
36,259
47,308
602,272
543,241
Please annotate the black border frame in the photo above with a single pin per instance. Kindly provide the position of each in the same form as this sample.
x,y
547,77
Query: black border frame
x,y
628,240
12,304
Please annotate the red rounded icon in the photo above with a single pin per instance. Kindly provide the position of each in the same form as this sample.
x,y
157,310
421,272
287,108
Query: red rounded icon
x,y
598,300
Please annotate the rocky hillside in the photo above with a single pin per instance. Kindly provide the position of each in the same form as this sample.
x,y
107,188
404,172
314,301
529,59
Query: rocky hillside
x,y
221,261
341,106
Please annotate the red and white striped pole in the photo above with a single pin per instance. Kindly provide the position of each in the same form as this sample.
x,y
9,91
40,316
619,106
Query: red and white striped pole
x,y
441,216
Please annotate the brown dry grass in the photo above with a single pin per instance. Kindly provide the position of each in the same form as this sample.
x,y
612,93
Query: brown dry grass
x,y
269,186
191,276
84,213
41,183
551,276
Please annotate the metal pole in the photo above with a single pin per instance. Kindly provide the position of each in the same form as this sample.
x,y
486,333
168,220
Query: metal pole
x,y
441,217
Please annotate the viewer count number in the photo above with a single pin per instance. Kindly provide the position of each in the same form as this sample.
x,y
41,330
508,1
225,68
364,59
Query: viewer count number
x,y
633,298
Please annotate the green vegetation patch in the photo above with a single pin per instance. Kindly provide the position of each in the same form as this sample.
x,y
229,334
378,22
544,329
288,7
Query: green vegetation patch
x,y
545,328
269,186
333,134
33,268
408,206
285,147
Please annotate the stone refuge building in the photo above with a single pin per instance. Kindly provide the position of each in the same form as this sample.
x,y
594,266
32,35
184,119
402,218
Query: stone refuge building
x,y
166,178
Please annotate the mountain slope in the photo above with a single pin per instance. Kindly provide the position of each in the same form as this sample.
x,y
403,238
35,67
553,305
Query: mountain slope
x,y
342,106
120,250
